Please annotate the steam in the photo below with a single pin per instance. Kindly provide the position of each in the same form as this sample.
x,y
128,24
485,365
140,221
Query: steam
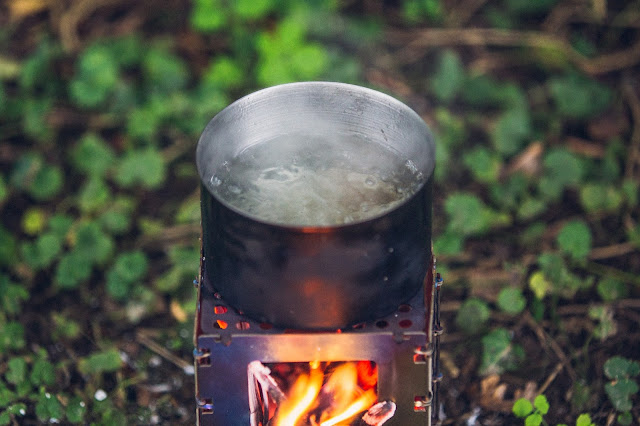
x,y
304,180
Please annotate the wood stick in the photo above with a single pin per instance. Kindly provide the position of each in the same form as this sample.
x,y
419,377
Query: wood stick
x,y
613,250
634,150
416,42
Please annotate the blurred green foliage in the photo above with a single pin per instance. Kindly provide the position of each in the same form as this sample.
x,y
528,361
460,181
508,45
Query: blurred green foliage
x,y
500,353
97,150
574,239
533,414
577,97
473,315
622,371
448,76
511,300
416,11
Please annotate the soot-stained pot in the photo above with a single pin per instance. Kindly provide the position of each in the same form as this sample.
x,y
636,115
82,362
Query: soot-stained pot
x,y
316,277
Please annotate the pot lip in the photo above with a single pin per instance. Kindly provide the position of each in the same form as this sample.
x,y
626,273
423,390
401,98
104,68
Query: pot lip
x,y
374,95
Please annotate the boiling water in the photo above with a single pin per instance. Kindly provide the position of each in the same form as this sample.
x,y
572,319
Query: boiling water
x,y
309,181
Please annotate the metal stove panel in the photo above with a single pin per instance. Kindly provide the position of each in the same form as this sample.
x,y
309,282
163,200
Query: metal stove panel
x,y
397,343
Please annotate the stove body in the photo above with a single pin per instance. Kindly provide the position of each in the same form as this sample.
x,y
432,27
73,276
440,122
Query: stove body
x,y
274,293
404,345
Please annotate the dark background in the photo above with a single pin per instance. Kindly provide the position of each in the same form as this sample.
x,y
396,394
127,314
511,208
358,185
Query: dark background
x,y
536,108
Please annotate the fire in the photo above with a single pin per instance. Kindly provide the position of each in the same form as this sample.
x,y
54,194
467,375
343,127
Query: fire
x,y
361,404
303,393
316,399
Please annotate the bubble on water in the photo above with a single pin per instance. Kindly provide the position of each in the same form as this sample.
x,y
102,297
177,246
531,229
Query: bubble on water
x,y
411,166
235,189
331,183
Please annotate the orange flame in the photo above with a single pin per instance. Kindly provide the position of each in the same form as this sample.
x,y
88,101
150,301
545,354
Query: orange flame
x,y
365,401
303,393
312,400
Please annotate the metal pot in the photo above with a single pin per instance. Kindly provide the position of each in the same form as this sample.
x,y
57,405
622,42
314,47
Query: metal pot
x,y
315,276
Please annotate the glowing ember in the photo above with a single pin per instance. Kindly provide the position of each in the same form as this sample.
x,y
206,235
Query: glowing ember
x,y
330,397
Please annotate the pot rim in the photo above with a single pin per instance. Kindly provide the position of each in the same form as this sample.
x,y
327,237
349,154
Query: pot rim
x,y
244,103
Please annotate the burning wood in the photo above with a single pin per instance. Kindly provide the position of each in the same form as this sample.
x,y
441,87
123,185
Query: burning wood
x,y
318,395
259,396
379,413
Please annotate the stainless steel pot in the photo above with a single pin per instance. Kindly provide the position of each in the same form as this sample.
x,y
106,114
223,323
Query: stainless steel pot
x,y
315,277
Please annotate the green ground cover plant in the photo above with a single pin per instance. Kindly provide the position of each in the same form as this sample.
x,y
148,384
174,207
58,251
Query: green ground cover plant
x,y
536,111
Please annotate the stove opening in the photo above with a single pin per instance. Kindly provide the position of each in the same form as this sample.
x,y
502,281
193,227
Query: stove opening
x,y
316,394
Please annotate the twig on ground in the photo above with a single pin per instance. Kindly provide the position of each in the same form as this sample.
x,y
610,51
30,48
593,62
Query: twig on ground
x,y
528,161
572,310
546,339
389,81
551,377
583,309
489,62
633,158
613,250
628,303
416,42
585,148
608,271
71,19
179,147
461,14
560,15
144,339
171,236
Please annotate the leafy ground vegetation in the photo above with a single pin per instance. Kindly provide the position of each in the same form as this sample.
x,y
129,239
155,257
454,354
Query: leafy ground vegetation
x,y
536,107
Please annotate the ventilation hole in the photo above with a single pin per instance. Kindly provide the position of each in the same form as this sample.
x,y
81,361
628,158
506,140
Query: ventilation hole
x,y
404,308
206,406
203,356
382,324
222,325
421,402
405,323
266,326
419,359
219,309
242,325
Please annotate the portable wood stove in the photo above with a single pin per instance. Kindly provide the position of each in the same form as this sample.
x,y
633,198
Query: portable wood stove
x,y
311,298
403,345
